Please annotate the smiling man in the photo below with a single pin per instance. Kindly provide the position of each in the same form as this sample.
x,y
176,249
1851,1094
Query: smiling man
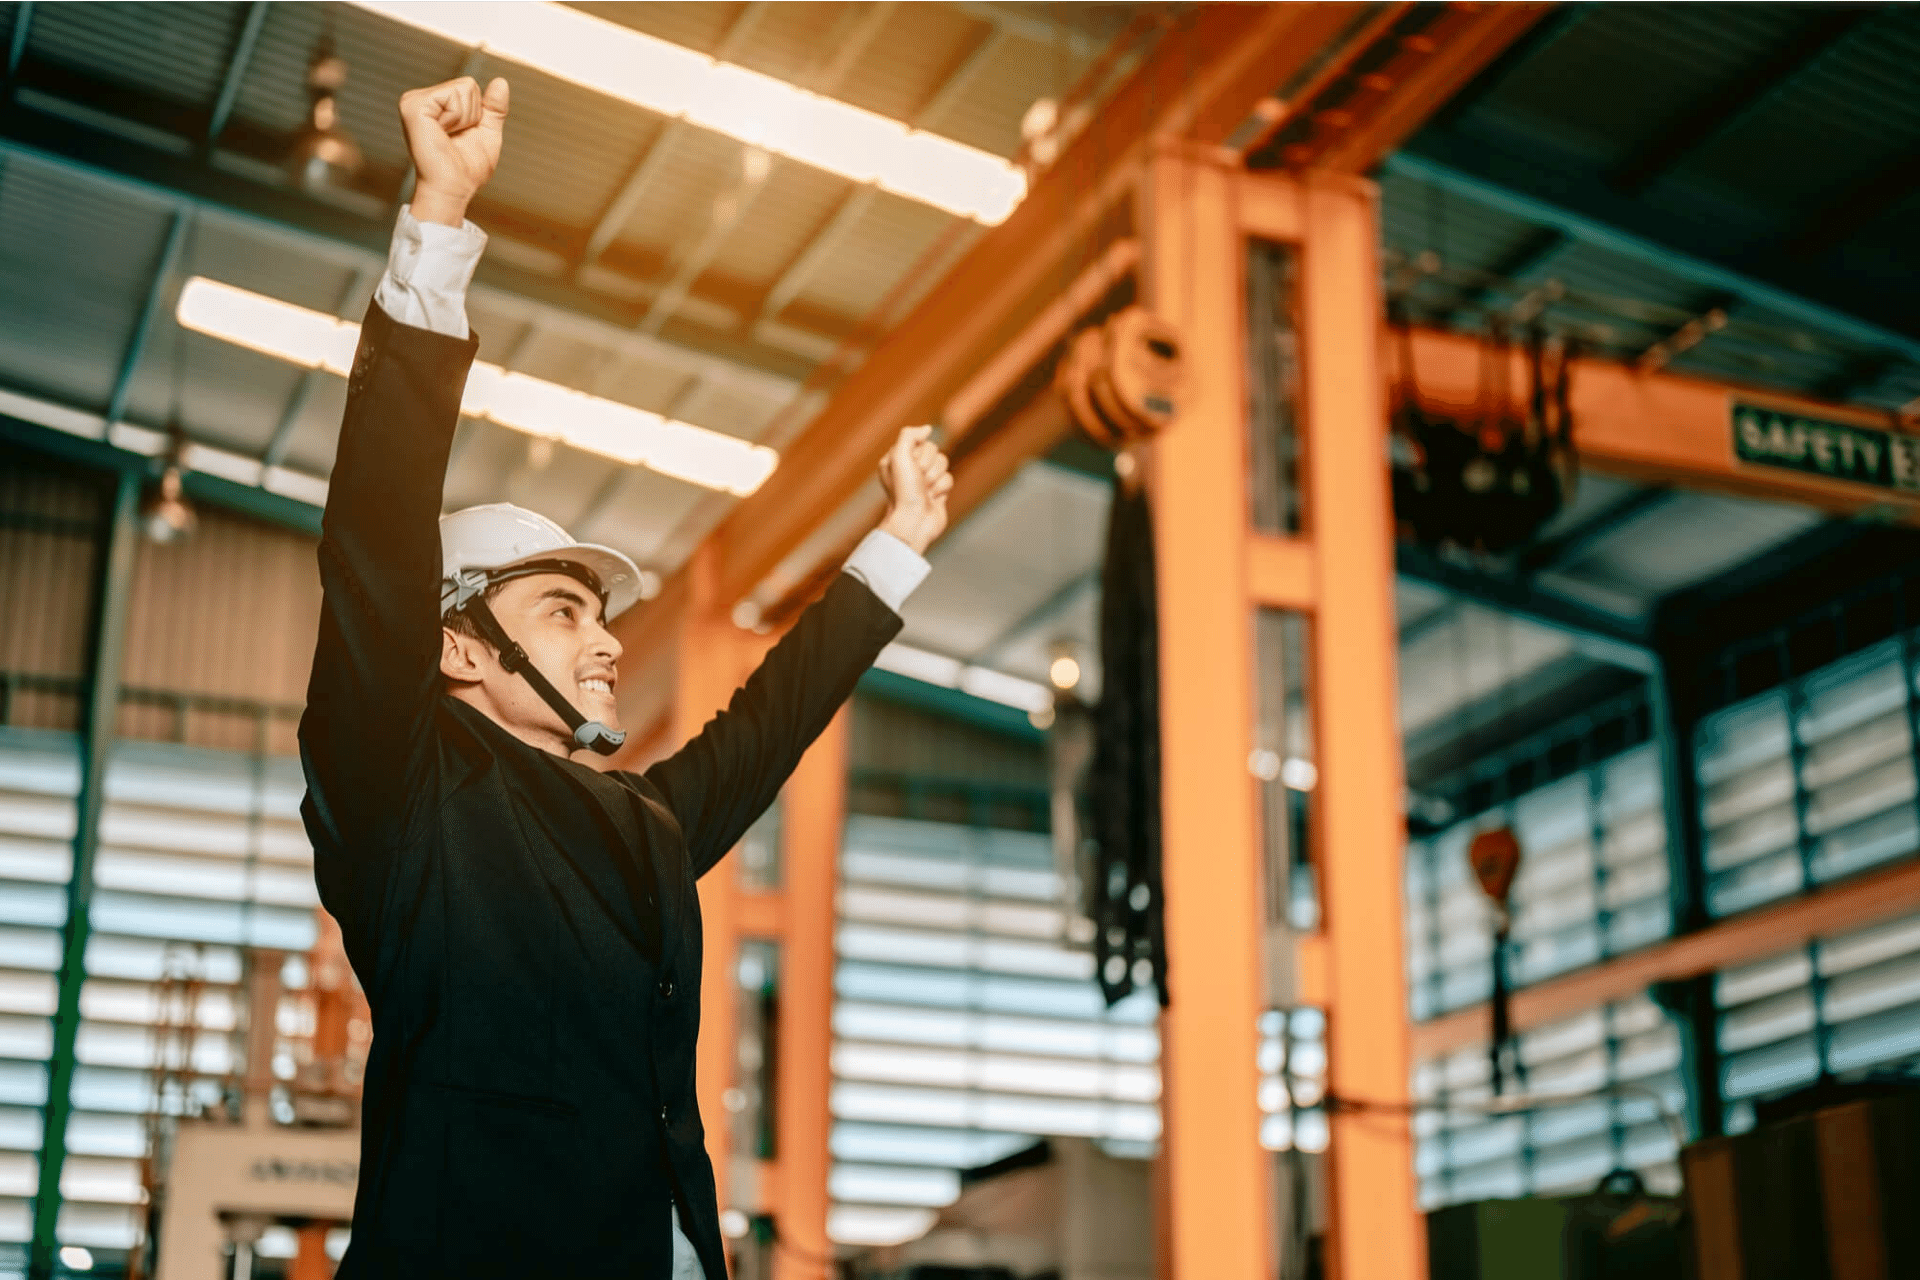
x,y
525,926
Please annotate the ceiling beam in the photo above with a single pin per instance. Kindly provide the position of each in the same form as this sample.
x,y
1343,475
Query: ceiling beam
x,y
1726,109
1622,641
1049,33
638,185
1570,544
1857,206
236,72
1530,255
1058,602
1508,184
1199,72
353,240
17,42
361,282
1542,36
158,285
820,247
852,36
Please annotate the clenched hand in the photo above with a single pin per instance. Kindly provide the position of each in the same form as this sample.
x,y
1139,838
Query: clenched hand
x,y
453,136
914,474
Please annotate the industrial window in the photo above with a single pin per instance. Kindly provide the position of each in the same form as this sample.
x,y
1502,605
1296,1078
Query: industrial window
x,y
1592,884
1809,782
1846,1006
1618,1069
966,1023
201,853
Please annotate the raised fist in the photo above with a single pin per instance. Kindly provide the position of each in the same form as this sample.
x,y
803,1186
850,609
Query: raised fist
x,y
453,136
914,474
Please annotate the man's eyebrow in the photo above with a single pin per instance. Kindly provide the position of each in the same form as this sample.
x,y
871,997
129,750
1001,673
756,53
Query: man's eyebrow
x,y
563,593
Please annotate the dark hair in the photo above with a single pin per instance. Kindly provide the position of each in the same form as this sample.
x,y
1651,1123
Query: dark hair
x,y
460,624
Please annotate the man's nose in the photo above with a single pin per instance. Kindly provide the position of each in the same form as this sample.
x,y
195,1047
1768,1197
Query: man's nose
x,y
605,643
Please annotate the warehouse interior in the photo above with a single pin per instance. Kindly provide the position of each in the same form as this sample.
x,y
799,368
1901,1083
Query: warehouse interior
x,y
1515,566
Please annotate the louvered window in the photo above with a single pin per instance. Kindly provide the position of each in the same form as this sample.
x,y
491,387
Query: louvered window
x,y
966,1024
201,853
1808,783
1847,1005
1620,1067
1592,884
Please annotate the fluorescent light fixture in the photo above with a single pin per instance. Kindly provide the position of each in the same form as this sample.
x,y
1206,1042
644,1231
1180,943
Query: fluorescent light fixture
x,y
951,673
754,108
316,340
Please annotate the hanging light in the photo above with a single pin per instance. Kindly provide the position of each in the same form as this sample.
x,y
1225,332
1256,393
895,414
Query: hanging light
x,y
166,516
324,154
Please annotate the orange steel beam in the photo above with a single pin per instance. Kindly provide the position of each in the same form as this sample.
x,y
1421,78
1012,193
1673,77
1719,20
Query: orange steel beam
x,y
1752,936
1464,41
1205,75
1217,1205
1282,573
762,914
714,659
1662,428
310,1261
812,817
1374,1227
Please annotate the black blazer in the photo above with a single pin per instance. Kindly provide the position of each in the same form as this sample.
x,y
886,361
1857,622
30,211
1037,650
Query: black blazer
x,y
526,928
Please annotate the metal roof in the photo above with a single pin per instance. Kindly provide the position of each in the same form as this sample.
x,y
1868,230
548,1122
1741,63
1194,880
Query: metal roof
x,y
630,256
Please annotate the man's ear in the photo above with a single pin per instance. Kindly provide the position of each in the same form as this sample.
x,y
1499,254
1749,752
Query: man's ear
x,y
460,657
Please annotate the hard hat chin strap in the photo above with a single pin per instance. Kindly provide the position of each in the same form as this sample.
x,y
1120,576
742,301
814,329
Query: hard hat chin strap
x,y
589,735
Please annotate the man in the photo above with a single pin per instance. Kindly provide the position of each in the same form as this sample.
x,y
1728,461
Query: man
x,y
526,927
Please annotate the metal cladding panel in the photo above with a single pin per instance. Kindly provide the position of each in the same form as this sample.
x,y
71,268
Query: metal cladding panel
x,y
229,396
50,524
230,612
1690,538
1416,216
886,242
909,61
987,114
1038,534
568,149
74,268
639,516
696,24
1849,113
1569,93
790,41
783,219
176,50
384,59
693,174
316,427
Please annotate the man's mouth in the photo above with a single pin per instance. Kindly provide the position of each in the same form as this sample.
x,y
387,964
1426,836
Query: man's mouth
x,y
597,685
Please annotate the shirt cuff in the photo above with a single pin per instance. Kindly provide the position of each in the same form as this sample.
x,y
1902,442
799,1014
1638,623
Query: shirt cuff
x,y
428,270
890,568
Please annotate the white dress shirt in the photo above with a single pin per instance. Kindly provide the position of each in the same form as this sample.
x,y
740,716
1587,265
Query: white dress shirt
x,y
428,270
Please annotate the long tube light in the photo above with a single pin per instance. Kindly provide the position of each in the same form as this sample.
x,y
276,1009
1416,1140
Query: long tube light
x,y
316,340
951,673
755,109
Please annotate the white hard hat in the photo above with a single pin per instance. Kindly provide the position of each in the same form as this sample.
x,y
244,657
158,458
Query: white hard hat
x,y
500,536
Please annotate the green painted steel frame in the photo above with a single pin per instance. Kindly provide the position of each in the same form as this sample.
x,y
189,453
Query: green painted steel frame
x,y
102,703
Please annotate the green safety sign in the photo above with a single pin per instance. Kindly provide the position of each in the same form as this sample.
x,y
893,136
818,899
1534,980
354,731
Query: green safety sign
x,y
1835,450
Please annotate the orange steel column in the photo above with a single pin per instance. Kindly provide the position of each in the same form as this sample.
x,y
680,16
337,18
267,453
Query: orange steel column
x,y
1216,1209
310,1261
714,658
812,817
1375,1230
